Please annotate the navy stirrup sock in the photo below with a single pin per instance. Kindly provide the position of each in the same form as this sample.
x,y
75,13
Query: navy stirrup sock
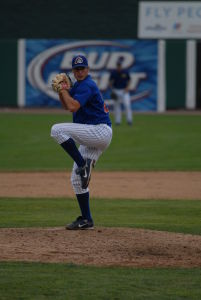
x,y
70,147
83,200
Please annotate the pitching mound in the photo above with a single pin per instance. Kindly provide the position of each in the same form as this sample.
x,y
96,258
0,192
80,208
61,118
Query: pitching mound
x,y
101,247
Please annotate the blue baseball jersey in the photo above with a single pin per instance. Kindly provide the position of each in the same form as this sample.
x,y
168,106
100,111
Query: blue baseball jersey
x,y
93,109
120,79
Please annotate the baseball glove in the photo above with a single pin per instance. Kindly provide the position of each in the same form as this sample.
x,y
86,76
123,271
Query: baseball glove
x,y
113,95
61,82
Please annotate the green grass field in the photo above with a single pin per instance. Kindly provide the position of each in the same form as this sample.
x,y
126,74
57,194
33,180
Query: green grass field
x,y
22,281
155,142
171,215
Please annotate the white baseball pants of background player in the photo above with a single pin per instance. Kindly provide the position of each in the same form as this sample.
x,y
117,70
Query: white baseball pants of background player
x,y
93,140
122,98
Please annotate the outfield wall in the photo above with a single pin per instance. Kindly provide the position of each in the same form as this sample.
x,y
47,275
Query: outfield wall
x,y
174,61
8,73
179,61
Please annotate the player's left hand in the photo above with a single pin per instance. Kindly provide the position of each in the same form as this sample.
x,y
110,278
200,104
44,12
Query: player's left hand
x,y
61,82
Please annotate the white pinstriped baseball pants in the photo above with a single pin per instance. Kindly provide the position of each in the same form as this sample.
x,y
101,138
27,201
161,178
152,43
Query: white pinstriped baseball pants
x,y
93,140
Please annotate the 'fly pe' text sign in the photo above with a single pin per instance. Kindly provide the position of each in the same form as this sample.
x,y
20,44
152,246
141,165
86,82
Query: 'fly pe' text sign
x,y
169,20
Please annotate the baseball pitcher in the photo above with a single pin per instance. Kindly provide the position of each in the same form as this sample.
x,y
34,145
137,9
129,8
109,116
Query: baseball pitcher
x,y
91,129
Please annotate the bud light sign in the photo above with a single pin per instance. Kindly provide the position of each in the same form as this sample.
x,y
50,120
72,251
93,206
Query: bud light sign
x,y
46,58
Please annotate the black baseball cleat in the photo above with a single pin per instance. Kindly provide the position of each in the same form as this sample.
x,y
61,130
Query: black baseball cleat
x,y
85,172
80,224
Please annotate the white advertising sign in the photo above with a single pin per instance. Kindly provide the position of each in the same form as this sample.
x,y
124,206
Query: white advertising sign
x,y
180,20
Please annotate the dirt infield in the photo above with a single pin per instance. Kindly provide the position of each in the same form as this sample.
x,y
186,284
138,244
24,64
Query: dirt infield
x,y
130,185
103,246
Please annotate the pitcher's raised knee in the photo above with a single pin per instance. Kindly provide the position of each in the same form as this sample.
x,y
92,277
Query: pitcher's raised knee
x,y
55,131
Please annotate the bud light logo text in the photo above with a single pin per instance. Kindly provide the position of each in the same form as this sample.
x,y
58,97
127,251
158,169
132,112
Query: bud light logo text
x,y
46,58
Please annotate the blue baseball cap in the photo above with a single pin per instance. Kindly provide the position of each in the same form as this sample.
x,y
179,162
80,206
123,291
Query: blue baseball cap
x,y
79,61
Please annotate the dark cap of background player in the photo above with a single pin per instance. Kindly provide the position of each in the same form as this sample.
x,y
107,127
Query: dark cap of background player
x,y
120,61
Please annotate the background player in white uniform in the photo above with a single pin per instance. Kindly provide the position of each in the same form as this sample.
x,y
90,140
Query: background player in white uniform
x,y
91,129
119,83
